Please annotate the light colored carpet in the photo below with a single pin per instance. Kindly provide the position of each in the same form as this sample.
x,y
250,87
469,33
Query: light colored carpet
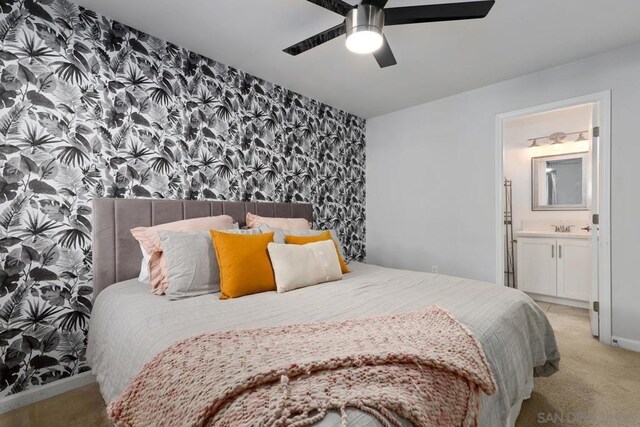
x,y
596,386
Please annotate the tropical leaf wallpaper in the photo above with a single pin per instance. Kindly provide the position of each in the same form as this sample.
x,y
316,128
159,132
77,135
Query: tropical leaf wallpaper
x,y
91,108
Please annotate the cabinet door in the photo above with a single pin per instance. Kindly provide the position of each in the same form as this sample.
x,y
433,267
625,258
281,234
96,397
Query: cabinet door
x,y
574,269
537,265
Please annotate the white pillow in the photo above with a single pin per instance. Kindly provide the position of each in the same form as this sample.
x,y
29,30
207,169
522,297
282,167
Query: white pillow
x,y
144,267
297,266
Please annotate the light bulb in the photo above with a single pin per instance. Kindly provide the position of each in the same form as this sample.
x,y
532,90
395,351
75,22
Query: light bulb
x,y
364,42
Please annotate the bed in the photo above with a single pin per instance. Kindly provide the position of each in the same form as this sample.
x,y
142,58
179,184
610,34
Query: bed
x,y
129,326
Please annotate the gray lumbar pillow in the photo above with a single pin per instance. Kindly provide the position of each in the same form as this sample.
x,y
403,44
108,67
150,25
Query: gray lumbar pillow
x,y
192,267
278,234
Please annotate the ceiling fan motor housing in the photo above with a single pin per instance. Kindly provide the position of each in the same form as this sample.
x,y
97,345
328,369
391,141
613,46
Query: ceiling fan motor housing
x,y
365,17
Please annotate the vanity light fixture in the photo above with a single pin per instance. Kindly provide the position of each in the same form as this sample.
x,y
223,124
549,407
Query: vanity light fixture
x,y
557,138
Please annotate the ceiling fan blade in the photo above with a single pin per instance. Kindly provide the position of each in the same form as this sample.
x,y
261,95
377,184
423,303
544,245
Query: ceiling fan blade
x,y
378,3
437,12
317,40
338,6
384,55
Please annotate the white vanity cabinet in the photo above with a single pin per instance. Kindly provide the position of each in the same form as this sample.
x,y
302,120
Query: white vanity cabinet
x,y
537,265
554,266
574,269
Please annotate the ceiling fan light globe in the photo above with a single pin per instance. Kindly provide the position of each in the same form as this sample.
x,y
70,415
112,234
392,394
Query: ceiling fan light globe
x,y
364,29
363,42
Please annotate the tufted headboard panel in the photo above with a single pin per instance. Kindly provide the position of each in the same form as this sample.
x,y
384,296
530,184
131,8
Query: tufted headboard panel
x,y
116,254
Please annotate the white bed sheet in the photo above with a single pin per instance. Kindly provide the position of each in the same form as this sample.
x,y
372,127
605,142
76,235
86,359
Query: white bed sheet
x,y
129,325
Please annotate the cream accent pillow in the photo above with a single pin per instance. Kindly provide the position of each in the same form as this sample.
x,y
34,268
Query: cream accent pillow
x,y
297,266
254,221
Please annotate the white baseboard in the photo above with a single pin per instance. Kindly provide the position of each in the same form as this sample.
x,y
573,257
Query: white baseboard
x,y
38,393
559,300
626,343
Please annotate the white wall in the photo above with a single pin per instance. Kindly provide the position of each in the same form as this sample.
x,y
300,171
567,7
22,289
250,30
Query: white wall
x,y
517,158
431,175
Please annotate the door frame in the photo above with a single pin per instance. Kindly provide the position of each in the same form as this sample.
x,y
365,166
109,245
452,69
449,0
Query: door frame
x,y
603,99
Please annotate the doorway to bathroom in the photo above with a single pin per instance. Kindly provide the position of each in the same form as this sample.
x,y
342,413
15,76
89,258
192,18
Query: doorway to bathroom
x,y
552,215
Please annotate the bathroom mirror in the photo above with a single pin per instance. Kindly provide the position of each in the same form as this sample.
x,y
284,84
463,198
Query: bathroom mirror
x,y
560,183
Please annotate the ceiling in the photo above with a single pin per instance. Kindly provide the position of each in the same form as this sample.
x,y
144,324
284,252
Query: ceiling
x,y
434,60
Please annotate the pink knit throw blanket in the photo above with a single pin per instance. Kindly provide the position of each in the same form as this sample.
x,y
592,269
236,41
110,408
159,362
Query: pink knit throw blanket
x,y
423,366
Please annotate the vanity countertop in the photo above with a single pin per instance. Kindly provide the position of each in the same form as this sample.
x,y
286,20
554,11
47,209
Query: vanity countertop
x,y
536,233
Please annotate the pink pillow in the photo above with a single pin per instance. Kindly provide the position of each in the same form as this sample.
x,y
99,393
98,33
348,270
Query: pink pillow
x,y
254,221
150,241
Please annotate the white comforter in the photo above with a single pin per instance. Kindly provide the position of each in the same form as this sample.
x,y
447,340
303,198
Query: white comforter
x,y
129,325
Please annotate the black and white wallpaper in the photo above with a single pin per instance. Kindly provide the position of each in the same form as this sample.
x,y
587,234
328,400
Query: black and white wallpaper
x,y
91,108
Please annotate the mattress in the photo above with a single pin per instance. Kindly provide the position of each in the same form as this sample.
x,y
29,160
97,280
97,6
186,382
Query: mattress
x,y
129,325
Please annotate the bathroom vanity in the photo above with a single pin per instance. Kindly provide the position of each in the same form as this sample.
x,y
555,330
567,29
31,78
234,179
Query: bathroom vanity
x,y
553,249
555,266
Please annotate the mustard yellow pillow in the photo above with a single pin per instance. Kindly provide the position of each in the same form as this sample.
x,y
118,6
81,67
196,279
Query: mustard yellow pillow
x,y
245,267
326,235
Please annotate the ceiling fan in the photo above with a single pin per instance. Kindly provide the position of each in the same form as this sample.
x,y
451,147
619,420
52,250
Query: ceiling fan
x,y
363,24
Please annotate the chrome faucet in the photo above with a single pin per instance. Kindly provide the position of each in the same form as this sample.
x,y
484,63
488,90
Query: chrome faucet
x,y
563,228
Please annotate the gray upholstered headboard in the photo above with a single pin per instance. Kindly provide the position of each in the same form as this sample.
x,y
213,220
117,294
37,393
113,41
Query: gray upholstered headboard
x,y
116,254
